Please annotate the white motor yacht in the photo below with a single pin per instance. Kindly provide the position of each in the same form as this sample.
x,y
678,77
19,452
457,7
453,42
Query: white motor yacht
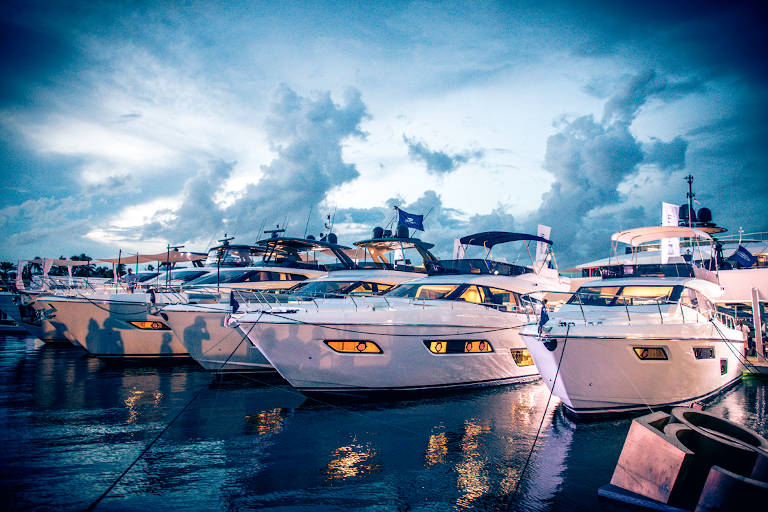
x,y
631,344
204,329
458,327
109,324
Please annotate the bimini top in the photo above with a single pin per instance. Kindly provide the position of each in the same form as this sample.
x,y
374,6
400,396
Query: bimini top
x,y
637,236
490,238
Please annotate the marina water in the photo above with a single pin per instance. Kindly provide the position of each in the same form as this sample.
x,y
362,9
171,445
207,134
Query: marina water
x,y
70,426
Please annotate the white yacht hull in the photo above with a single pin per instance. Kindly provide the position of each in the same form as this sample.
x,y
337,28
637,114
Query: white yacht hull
x,y
295,345
101,326
210,342
602,374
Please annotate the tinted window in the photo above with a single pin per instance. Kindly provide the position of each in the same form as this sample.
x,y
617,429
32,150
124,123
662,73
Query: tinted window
x,y
423,291
228,276
320,288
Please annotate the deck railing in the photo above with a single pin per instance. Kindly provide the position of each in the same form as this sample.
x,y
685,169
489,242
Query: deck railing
x,y
630,305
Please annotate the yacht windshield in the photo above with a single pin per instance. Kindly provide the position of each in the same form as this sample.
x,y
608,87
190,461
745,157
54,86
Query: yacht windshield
x,y
186,275
323,288
247,276
635,295
423,291
232,257
146,276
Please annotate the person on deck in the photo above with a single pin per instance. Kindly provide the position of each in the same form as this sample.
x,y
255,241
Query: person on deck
x,y
543,316
130,280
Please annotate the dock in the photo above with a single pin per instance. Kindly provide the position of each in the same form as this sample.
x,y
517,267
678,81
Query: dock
x,y
756,367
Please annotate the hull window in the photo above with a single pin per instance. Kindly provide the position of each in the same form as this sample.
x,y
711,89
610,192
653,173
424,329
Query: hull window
x,y
353,347
152,326
704,352
651,353
521,356
458,346
723,366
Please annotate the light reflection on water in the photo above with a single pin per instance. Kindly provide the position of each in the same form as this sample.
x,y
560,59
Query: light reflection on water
x,y
71,424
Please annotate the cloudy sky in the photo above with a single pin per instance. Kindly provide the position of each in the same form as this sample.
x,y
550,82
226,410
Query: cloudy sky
x,y
136,124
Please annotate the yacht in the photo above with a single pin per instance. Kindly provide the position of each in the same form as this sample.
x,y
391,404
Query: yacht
x,y
109,324
457,327
637,343
380,263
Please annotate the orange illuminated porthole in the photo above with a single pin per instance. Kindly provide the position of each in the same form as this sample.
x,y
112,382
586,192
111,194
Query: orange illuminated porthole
x,y
353,346
152,326
458,346
521,356
651,353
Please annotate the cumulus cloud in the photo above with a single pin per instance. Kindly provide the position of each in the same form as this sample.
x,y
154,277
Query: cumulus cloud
x,y
438,162
198,214
590,159
667,155
307,135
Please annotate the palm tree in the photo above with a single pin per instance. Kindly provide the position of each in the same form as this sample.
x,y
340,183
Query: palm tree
x,y
5,267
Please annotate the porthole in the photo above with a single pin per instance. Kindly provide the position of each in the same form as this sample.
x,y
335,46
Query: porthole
x,y
353,346
458,346
521,356
650,353
704,352
151,326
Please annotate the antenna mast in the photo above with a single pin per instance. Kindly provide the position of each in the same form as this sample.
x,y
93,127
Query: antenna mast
x,y
690,195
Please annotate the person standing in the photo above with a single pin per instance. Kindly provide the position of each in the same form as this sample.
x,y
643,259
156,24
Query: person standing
x,y
745,330
130,280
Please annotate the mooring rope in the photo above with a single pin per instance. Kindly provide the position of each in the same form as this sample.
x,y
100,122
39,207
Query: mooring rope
x,y
160,434
544,415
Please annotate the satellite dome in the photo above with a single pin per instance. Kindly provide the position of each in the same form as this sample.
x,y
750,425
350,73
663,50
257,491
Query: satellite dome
x,y
705,215
684,216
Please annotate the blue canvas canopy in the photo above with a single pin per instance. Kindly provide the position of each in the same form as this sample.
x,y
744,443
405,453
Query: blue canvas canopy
x,y
490,238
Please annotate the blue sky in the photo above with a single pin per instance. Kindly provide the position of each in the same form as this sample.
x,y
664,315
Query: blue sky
x,y
129,125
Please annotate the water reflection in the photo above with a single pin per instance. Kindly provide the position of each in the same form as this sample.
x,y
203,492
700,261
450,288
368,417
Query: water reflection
x,y
72,424
352,460
267,422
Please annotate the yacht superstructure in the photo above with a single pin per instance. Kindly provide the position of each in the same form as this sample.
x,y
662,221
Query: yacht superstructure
x,y
456,328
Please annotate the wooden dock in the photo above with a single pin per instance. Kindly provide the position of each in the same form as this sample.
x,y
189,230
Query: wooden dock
x,y
756,367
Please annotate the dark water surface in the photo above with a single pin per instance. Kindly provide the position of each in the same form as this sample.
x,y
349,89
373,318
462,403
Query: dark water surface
x,y
70,425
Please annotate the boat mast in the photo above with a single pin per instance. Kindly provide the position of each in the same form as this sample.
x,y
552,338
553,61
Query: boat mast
x,y
690,195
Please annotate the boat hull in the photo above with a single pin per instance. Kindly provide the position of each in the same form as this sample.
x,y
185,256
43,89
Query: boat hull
x,y
101,327
212,343
299,352
605,375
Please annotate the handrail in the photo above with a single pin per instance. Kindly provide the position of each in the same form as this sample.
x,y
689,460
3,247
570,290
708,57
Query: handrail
x,y
627,301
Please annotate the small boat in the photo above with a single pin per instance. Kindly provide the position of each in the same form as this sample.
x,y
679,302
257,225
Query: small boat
x,y
456,328
638,343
